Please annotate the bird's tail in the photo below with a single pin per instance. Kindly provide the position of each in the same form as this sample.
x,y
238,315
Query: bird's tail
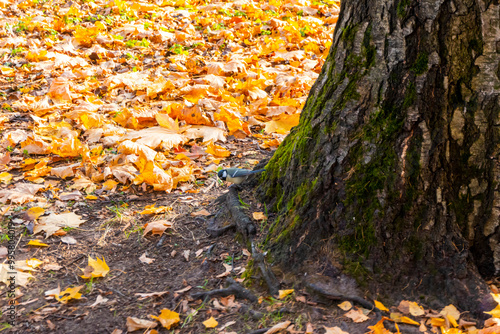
x,y
257,171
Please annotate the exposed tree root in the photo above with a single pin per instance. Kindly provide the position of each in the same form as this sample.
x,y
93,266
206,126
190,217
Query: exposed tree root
x,y
333,296
234,288
246,228
217,232
267,273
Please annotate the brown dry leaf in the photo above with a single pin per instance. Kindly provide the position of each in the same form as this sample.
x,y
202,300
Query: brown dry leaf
x,y
145,259
20,278
202,212
208,133
334,330
22,193
151,294
54,222
278,327
228,268
156,227
491,330
99,300
155,136
259,216
451,311
134,324
356,315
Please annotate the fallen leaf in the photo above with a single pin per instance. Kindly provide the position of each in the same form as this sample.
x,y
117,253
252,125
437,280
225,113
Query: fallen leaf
x,y
409,321
68,240
210,323
380,306
20,278
145,259
202,212
100,268
33,263
99,300
346,306
167,318
259,216
334,330
54,222
68,294
151,294
284,293
278,327
37,243
156,227
356,315
134,324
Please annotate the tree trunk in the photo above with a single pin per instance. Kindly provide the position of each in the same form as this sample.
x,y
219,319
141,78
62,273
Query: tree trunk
x,y
392,173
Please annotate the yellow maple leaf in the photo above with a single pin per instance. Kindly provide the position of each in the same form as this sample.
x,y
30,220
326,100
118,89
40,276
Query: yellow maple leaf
x,y
91,197
495,312
284,293
34,213
68,294
218,151
210,323
37,243
100,268
5,177
167,318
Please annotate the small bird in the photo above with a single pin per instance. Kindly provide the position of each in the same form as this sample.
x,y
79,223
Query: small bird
x,y
236,175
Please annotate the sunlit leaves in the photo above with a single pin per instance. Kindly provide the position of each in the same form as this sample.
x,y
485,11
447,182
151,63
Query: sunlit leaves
x,y
69,294
95,268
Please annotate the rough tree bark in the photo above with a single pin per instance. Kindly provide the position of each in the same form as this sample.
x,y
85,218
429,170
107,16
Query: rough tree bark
x,y
392,174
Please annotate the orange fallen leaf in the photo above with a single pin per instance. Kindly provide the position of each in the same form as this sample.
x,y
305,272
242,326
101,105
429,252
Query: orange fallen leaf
x,y
156,227
284,293
167,318
210,323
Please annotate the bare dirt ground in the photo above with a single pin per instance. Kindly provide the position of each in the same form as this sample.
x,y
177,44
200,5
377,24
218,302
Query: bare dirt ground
x,y
114,231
